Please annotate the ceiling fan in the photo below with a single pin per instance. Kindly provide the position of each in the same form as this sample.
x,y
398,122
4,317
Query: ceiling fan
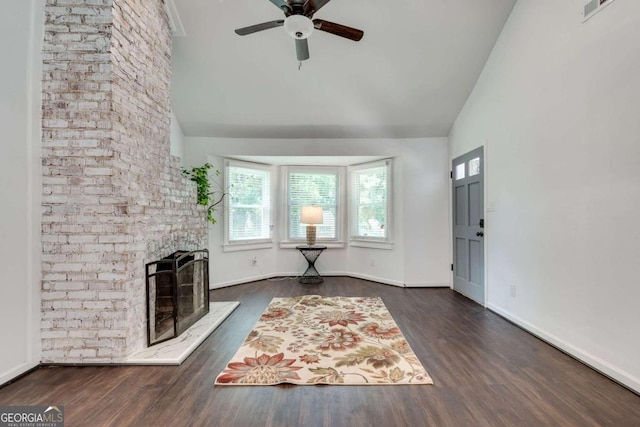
x,y
299,23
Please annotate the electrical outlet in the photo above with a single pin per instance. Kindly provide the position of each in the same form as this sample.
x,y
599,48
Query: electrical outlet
x,y
254,261
513,291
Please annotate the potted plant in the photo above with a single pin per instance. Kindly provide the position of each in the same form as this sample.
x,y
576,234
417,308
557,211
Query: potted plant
x,y
206,197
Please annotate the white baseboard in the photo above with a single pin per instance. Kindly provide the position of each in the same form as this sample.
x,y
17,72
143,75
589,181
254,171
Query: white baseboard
x,y
239,281
251,279
426,285
324,273
594,362
16,372
366,277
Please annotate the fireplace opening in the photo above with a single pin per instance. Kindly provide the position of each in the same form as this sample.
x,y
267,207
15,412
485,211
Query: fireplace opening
x,y
177,294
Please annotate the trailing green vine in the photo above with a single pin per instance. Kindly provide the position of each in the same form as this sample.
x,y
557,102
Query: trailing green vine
x,y
206,197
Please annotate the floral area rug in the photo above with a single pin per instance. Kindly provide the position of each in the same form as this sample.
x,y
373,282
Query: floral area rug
x,y
325,340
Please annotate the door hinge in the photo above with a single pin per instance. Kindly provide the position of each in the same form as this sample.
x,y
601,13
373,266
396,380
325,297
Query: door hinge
x,y
451,174
451,267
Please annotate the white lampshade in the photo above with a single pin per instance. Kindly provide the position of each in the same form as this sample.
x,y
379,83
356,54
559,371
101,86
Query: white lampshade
x,y
298,26
311,215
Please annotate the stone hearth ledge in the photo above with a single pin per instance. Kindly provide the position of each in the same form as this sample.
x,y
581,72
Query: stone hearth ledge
x,y
176,350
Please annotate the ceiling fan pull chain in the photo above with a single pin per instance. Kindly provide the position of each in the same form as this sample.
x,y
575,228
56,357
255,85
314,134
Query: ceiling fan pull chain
x,y
299,65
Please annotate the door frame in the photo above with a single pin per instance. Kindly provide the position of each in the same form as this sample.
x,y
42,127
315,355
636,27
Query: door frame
x,y
487,225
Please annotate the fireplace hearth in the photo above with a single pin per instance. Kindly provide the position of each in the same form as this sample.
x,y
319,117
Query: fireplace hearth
x,y
177,294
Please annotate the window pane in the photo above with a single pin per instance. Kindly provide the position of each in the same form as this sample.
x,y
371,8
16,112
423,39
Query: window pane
x,y
370,202
246,223
460,171
474,166
371,220
313,189
249,204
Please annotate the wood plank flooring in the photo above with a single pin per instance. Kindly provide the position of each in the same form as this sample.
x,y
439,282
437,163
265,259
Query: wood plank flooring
x,y
487,372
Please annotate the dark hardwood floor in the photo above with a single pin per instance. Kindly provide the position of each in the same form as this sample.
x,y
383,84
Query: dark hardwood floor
x,y
487,372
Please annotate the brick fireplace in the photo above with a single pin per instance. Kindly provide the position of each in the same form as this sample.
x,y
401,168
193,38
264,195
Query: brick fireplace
x,y
113,197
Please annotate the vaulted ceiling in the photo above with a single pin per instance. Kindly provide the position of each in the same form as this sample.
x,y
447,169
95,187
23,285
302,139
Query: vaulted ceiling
x,y
408,77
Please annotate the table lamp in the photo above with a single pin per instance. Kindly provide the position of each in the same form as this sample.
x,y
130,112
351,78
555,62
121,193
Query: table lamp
x,y
311,215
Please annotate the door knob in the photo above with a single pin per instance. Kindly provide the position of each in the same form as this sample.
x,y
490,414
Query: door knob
x,y
480,234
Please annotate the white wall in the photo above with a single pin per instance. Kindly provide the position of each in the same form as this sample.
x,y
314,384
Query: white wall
x,y
558,104
21,35
420,252
176,138
426,223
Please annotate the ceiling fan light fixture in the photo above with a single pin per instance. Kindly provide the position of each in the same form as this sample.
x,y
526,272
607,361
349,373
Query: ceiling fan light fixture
x,y
298,26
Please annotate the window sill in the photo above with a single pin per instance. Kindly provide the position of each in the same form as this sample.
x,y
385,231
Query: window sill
x,y
371,244
329,245
246,246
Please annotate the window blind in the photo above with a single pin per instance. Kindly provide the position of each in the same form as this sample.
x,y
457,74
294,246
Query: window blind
x,y
369,210
249,204
313,189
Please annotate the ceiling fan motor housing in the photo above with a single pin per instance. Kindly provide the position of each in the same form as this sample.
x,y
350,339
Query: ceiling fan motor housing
x,y
298,26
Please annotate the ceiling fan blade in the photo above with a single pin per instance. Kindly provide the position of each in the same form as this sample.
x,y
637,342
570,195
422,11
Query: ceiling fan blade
x,y
259,27
302,49
338,30
281,4
312,6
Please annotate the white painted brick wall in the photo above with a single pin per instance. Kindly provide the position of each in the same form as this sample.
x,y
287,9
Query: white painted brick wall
x,y
113,197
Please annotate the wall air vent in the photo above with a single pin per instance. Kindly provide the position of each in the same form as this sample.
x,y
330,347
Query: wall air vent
x,y
591,7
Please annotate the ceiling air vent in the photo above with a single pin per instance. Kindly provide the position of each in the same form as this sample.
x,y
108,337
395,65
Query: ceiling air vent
x,y
591,7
